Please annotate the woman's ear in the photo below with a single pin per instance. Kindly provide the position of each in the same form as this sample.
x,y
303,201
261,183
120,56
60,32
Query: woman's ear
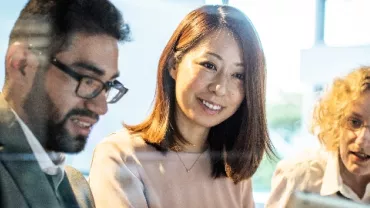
x,y
173,72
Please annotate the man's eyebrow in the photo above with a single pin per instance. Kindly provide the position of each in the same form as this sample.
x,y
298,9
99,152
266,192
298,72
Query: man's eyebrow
x,y
115,75
93,68
89,67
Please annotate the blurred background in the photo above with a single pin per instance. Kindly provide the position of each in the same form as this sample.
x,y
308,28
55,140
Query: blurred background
x,y
307,43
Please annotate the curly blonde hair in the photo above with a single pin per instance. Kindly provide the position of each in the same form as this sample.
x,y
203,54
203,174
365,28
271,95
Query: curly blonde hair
x,y
332,108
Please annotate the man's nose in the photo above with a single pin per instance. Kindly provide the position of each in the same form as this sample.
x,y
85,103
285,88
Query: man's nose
x,y
98,104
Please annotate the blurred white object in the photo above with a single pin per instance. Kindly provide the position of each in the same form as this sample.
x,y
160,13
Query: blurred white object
x,y
311,200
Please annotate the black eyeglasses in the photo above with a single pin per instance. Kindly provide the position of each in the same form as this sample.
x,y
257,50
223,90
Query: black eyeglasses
x,y
90,87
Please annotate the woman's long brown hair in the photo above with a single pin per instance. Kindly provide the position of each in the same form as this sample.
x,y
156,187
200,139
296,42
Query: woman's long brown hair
x,y
238,144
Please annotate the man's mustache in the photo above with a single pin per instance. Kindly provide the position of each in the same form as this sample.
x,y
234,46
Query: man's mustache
x,y
82,112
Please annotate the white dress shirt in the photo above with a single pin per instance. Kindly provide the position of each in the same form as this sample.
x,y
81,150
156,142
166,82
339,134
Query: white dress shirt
x,y
44,159
314,171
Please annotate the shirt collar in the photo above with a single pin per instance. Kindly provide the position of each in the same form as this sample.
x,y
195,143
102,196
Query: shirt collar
x,y
44,159
332,181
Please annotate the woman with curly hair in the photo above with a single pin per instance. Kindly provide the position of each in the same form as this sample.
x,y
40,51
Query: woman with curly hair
x,y
341,167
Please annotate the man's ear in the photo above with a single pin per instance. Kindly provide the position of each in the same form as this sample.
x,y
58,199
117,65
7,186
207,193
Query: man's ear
x,y
19,59
16,58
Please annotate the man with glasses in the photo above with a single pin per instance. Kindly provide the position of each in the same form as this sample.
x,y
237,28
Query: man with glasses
x,y
90,87
61,69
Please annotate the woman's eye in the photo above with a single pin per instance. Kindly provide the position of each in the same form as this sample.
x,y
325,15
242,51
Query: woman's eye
x,y
239,76
209,65
355,123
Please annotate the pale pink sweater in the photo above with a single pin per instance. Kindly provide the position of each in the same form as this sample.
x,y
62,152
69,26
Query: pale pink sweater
x,y
126,172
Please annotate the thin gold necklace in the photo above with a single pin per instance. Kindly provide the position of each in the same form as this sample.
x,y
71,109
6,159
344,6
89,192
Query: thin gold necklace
x,y
183,164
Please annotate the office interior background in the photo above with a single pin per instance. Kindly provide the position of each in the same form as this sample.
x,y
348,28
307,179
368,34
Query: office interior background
x,y
307,43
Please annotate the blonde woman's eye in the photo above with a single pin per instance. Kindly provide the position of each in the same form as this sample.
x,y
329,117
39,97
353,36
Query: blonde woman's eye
x,y
355,123
208,65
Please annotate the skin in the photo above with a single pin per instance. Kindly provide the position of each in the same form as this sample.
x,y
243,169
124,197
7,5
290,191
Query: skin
x,y
210,73
45,99
355,170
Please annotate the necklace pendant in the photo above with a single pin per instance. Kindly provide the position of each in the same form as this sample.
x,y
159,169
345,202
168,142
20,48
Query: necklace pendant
x,y
183,164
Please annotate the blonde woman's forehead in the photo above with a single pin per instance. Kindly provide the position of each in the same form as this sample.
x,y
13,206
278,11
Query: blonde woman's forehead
x,y
361,106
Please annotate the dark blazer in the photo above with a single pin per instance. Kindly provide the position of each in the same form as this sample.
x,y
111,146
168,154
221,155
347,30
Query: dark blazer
x,y
22,182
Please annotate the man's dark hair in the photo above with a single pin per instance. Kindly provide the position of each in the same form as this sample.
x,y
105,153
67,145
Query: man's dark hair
x,y
50,24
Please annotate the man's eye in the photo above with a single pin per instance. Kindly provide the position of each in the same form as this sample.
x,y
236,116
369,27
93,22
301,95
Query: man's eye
x,y
89,81
209,65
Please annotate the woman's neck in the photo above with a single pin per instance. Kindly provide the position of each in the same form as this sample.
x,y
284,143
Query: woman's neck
x,y
196,138
193,133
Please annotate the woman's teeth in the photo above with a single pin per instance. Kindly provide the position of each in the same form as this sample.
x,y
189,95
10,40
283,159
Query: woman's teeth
x,y
361,155
211,106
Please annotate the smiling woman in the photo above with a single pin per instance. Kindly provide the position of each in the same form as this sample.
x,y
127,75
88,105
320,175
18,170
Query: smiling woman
x,y
209,85
207,133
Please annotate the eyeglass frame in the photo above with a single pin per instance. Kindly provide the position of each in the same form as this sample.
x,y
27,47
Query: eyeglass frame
x,y
78,77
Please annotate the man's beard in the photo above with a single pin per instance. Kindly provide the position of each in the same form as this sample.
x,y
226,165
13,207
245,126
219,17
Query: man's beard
x,y
60,140
44,122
